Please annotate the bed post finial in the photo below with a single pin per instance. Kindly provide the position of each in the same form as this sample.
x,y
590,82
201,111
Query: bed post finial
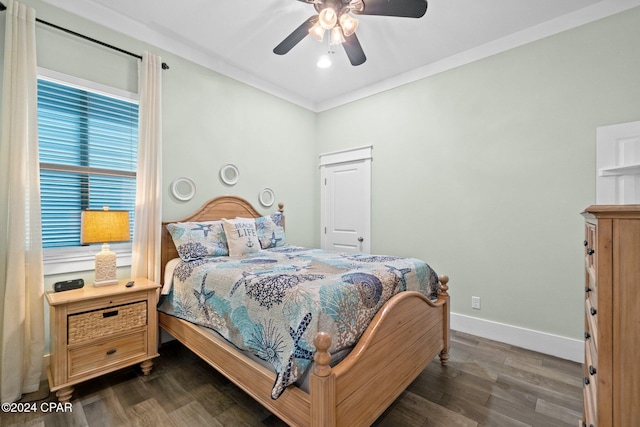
x,y
443,284
322,357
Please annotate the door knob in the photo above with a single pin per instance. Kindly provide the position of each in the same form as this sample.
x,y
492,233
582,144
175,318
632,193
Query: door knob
x,y
360,239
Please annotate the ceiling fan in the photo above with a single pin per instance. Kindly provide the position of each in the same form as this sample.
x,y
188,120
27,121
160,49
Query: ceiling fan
x,y
335,17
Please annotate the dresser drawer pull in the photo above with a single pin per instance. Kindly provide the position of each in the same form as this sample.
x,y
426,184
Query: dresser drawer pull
x,y
112,351
110,313
586,381
587,335
593,311
590,251
592,370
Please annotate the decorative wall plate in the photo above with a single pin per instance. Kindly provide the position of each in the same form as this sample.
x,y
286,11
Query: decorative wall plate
x,y
183,188
266,197
229,174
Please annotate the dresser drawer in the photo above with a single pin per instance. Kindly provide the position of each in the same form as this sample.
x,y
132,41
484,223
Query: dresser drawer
x,y
590,244
91,325
589,408
591,284
98,357
591,315
590,345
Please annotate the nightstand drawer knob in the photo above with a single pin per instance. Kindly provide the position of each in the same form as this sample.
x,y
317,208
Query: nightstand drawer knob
x,y
592,370
587,289
110,313
112,351
586,243
593,311
587,335
590,251
586,381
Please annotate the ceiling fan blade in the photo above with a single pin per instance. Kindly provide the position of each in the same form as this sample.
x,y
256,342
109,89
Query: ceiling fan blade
x,y
403,8
296,36
354,50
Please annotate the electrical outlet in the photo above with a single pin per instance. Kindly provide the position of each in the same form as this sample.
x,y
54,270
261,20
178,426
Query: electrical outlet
x,y
475,303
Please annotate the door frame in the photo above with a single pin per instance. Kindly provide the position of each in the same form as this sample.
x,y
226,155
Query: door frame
x,y
353,155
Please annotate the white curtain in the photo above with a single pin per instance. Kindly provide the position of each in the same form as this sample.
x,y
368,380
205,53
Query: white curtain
x,y
21,269
148,216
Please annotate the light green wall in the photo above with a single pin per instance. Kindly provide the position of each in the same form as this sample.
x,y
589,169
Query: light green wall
x,y
483,170
211,120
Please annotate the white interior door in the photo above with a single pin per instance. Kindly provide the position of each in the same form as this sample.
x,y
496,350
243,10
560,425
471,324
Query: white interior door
x,y
346,201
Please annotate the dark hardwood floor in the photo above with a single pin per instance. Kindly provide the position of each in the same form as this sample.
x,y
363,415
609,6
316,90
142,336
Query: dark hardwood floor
x,y
486,384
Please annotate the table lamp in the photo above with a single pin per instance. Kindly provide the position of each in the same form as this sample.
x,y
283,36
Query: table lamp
x,y
105,226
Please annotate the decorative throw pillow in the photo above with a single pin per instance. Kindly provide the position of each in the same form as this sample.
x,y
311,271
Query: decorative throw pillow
x,y
241,236
270,230
195,240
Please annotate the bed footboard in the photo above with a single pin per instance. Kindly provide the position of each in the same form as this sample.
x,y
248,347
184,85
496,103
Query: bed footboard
x,y
403,338
400,342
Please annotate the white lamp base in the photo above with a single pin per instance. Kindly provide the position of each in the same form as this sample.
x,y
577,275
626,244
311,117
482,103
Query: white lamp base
x,y
105,267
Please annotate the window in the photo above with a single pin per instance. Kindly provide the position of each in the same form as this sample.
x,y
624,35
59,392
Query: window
x,y
88,144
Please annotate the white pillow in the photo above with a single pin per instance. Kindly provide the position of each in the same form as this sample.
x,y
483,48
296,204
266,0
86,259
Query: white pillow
x,y
242,237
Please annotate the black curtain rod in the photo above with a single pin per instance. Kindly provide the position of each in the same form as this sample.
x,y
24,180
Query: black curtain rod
x,y
82,36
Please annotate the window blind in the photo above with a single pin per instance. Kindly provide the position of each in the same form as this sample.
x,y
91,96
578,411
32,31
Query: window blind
x,y
88,157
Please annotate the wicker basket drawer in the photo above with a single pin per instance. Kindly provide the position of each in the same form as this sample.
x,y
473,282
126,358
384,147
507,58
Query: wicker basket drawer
x,y
88,326
92,357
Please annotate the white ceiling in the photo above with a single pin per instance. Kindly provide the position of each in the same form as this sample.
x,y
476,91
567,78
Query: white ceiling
x,y
236,38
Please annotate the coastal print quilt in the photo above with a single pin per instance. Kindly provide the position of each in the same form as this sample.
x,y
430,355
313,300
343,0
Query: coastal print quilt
x,y
273,302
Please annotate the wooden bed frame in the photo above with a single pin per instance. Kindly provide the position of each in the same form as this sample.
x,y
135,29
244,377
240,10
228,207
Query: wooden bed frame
x,y
408,328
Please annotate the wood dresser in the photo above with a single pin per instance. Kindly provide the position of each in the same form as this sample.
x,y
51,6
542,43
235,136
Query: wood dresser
x,y
95,330
612,316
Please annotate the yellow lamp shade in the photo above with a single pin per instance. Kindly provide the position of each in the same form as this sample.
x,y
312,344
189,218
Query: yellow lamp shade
x,y
104,226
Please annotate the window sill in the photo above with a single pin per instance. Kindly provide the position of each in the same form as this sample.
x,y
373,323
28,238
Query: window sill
x,y
70,260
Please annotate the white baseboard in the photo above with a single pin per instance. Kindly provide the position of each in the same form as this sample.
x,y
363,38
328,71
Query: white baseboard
x,y
542,342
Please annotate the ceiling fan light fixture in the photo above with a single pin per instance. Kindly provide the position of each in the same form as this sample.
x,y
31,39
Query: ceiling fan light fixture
x,y
327,18
349,24
317,32
336,36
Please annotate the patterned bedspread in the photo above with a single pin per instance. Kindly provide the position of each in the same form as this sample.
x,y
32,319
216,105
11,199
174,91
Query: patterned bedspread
x,y
273,302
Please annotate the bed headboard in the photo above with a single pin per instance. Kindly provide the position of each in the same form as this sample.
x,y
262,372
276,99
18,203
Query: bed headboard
x,y
215,209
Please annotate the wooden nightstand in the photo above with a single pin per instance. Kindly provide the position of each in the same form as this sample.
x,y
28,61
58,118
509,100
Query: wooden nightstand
x,y
95,330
